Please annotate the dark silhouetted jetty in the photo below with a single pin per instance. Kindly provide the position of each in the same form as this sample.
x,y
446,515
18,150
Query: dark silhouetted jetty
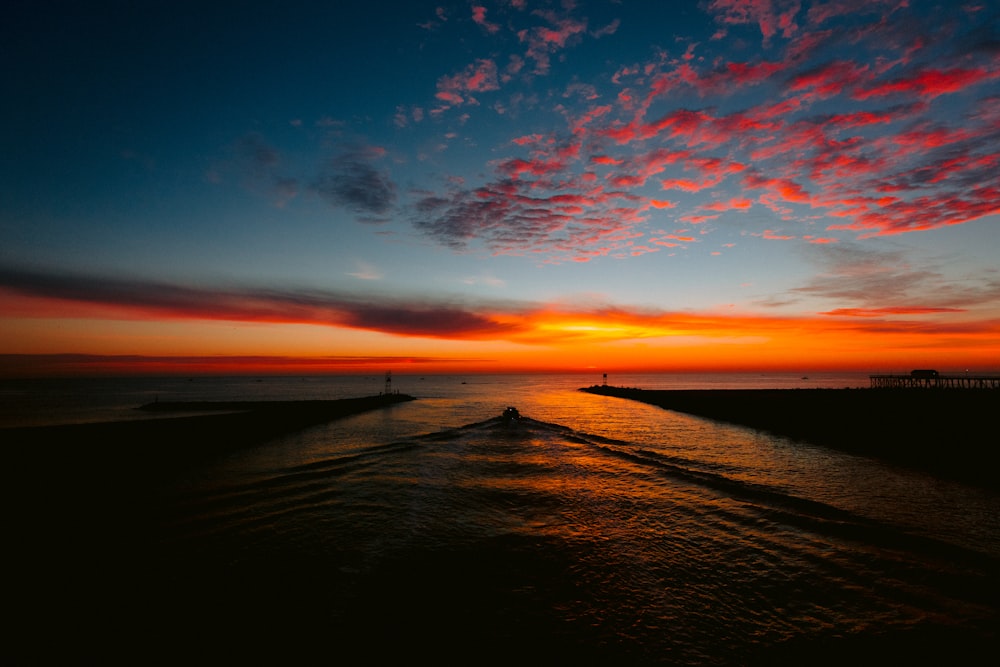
x,y
949,433
84,531
195,431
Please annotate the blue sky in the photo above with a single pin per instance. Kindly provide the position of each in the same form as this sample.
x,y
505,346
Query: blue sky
x,y
826,167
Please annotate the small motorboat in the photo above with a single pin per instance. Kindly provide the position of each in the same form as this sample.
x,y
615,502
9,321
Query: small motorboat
x,y
511,414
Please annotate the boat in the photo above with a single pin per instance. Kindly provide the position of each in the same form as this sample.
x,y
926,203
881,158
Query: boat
x,y
511,414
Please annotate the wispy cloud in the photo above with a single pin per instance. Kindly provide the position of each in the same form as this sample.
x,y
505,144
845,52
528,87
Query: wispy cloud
x,y
485,279
353,181
868,282
366,271
259,165
610,29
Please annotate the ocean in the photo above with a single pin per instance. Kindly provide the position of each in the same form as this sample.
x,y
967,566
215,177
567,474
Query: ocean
x,y
594,530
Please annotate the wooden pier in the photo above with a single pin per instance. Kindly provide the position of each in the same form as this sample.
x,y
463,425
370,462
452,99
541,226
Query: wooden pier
x,y
935,381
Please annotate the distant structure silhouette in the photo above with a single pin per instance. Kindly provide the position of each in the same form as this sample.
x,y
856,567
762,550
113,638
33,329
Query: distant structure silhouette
x,y
605,382
388,382
931,379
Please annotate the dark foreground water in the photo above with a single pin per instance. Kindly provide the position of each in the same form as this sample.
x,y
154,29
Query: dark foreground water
x,y
595,530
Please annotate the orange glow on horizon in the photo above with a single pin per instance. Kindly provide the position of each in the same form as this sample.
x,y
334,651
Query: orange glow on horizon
x,y
562,338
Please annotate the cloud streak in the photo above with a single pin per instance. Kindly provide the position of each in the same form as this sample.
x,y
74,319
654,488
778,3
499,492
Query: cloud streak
x,y
529,323
144,300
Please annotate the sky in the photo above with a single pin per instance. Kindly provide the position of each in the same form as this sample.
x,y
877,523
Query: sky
x,y
437,187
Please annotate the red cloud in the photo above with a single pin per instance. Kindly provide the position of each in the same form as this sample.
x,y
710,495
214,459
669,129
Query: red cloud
x,y
640,168
517,167
821,12
830,79
926,137
580,124
783,188
696,127
872,168
544,40
747,74
712,170
737,203
925,213
698,219
720,80
658,203
930,83
686,184
527,140
479,16
863,118
480,76
680,122
771,16
832,166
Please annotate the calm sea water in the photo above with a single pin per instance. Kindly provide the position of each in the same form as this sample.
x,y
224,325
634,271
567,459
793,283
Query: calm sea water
x,y
595,528
33,402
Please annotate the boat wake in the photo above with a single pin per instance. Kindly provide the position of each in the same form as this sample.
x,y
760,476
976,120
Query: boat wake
x,y
525,530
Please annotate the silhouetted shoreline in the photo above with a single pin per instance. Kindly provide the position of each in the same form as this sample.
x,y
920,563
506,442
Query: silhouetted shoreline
x,y
944,432
83,516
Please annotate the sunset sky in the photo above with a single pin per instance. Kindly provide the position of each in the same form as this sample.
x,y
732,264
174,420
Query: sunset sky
x,y
499,186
